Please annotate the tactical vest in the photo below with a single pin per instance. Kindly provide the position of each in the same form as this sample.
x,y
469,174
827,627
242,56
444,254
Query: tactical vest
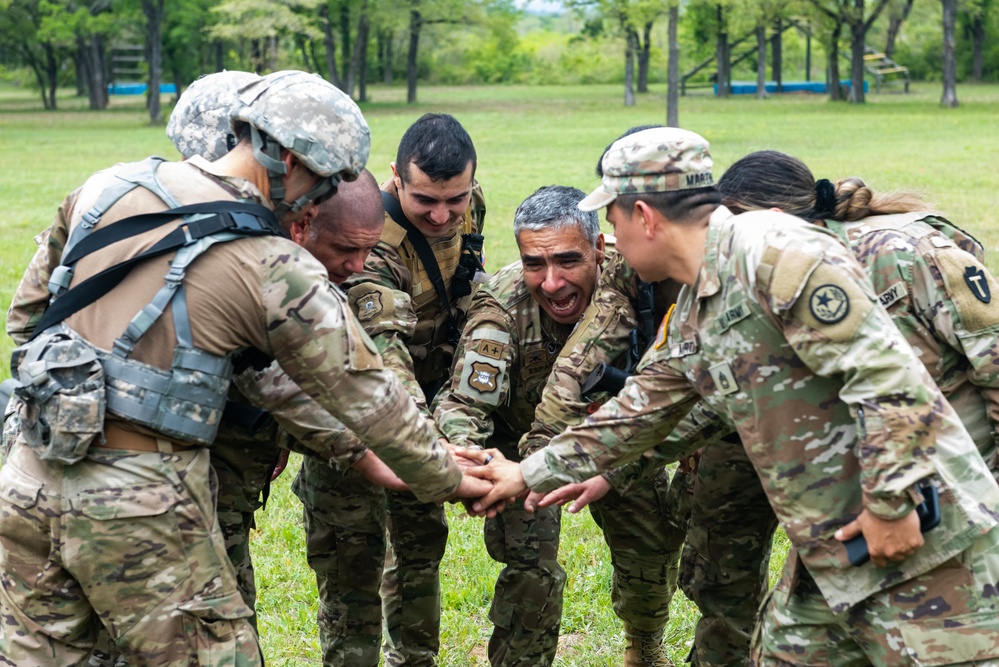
x,y
184,402
430,347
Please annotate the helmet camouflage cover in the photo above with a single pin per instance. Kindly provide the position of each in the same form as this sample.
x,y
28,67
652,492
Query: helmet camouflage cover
x,y
312,118
199,124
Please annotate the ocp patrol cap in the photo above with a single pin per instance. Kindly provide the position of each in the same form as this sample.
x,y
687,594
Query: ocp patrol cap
x,y
660,159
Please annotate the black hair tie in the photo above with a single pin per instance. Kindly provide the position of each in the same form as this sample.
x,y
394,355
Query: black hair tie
x,y
825,199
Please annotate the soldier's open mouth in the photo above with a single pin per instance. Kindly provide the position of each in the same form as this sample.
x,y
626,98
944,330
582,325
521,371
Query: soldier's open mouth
x,y
564,305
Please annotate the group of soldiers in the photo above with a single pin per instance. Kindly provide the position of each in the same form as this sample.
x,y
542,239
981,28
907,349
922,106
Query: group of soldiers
x,y
816,355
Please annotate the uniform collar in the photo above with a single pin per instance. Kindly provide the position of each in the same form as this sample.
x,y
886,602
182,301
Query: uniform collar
x,y
708,282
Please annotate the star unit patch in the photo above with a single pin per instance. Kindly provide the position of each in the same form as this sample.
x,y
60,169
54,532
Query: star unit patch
x,y
829,304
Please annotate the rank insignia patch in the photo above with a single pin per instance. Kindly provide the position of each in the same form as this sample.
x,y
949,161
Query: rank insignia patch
x,y
974,277
369,306
829,304
483,377
724,378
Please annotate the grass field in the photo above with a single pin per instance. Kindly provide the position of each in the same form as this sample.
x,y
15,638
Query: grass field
x,y
526,138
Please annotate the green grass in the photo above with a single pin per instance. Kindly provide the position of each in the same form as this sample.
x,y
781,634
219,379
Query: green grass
x,y
526,137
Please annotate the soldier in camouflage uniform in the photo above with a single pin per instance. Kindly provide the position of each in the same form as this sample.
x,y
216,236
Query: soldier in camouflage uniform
x,y
435,211
642,516
518,322
782,335
917,262
124,537
340,234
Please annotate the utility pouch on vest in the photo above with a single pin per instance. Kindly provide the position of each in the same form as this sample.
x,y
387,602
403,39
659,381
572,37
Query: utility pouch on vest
x,y
61,395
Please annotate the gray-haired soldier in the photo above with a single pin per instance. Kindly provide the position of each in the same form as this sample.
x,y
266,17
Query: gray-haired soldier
x,y
106,512
517,324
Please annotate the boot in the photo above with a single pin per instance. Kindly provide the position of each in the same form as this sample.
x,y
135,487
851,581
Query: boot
x,y
645,649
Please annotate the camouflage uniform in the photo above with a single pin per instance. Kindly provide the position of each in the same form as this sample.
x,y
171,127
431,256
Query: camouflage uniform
x,y
346,517
506,352
126,538
916,262
643,518
782,335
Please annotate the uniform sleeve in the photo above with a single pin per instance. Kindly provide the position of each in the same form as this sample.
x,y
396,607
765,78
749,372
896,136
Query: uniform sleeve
x,y
32,295
831,318
952,295
294,410
487,357
639,418
379,296
321,346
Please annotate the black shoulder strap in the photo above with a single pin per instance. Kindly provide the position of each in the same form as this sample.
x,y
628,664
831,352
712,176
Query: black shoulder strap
x,y
232,217
426,254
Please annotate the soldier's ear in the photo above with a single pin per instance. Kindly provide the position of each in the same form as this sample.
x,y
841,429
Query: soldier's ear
x,y
300,230
601,249
647,217
396,178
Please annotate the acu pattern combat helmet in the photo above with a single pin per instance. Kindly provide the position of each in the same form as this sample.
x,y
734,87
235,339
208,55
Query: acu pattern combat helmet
x,y
314,120
199,124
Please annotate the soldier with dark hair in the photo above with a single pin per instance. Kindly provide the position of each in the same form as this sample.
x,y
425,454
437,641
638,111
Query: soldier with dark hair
x,y
412,299
779,332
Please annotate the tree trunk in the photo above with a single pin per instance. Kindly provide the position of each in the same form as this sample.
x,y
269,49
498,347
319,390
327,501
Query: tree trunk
x,y
949,98
631,45
721,55
978,41
895,22
857,33
362,69
644,53
272,52
777,64
415,25
385,55
219,56
98,69
673,71
835,94
345,44
153,9
761,62
330,46
360,43
52,72
80,67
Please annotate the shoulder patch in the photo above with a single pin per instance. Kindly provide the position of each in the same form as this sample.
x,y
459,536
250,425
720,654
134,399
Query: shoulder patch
x,y
971,287
829,303
835,305
664,327
482,378
369,306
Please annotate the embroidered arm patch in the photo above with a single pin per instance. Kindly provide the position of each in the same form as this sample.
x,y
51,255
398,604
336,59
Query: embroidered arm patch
x,y
971,287
482,377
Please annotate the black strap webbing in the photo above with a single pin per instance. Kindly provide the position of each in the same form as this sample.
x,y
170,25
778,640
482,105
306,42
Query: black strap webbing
x,y
646,311
426,254
233,212
93,288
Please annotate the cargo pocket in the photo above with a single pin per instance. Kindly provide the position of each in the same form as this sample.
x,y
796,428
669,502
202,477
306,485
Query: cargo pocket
x,y
125,543
218,632
946,640
18,488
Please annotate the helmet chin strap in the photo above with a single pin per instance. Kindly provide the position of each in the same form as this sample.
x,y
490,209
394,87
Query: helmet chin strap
x,y
268,153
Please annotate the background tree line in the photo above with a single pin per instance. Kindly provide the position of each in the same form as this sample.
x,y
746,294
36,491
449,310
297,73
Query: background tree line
x,y
352,43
